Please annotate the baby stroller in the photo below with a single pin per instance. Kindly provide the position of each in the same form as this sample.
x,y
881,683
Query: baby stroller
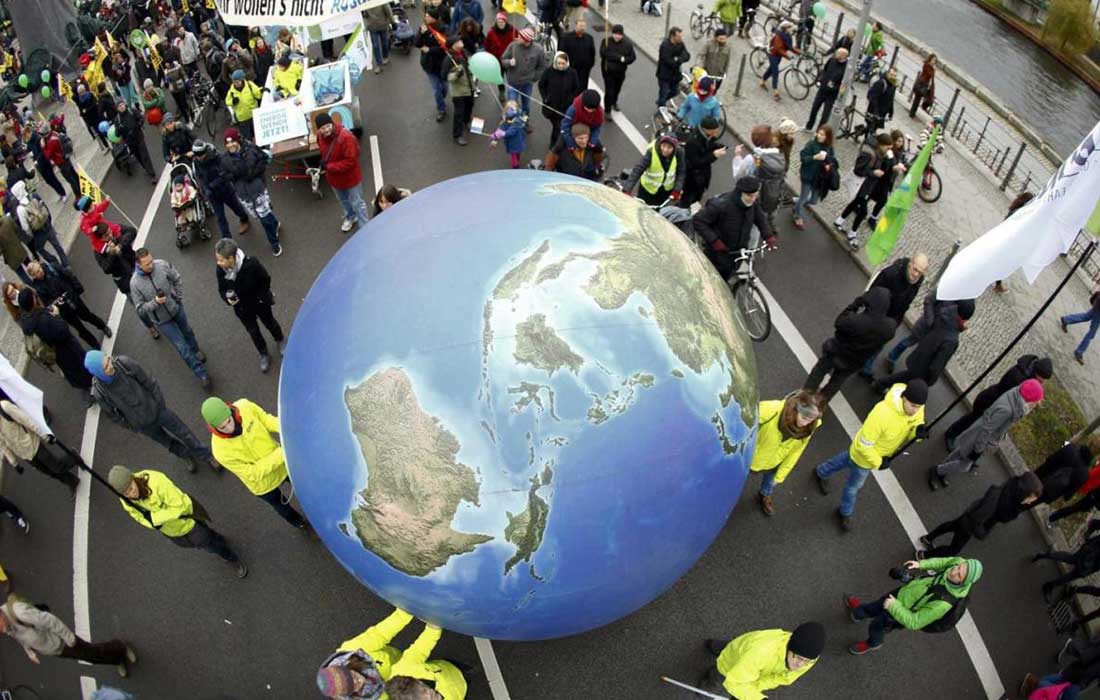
x,y
188,206
403,33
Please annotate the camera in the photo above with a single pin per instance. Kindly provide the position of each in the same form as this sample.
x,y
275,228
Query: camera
x,y
903,573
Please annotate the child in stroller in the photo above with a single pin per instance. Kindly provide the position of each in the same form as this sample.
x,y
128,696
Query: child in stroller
x,y
187,207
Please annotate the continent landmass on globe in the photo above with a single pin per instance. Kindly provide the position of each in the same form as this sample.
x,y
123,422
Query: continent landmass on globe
x,y
526,529
415,481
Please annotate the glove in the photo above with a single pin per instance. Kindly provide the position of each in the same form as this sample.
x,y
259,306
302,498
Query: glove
x,y
922,432
885,463
772,242
675,196
718,246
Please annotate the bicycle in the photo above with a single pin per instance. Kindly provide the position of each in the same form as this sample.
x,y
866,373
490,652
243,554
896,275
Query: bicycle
x,y
796,82
748,297
205,105
803,36
877,66
544,37
864,131
931,186
702,24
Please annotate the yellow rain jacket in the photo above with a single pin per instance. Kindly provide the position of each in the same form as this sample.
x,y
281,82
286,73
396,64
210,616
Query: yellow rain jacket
x,y
243,101
254,456
287,80
773,449
886,429
414,663
376,642
757,661
168,507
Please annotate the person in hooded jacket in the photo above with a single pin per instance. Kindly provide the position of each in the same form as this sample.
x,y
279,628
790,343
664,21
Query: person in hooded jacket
x,y
903,279
1026,367
27,203
616,55
461,82
175,140
584,109
701,149
54,332
862,328
340,161
880,100
42,165
433,55
894,167
919,603
890,425
128,125
583,160
700,104
1070,471
499,37
244,165
726,224
659,174
987,432
1001,503
217,187
786,427
580,47
929,359
558,85
762,660
524,62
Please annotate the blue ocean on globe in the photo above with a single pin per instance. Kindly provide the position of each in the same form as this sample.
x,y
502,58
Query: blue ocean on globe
x,y
518,404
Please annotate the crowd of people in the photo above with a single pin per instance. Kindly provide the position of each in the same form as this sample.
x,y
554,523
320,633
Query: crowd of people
x,y
674,169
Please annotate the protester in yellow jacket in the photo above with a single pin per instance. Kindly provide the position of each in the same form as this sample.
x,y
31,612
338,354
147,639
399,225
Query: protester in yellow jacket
x,y
243,442
362,664
761,660
894,421
243,97
288,77
786,427
155,502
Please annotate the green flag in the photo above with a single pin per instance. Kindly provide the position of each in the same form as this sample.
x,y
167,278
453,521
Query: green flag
x,y
881,243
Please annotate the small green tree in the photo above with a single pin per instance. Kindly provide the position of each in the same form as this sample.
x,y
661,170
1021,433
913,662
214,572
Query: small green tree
x,y
1069,26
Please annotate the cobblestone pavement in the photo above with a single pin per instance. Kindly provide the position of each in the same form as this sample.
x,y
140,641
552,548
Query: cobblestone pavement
x,y
971,204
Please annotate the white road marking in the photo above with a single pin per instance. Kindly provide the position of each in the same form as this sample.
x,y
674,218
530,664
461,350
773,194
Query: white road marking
x,y
492,669
82,623
376,163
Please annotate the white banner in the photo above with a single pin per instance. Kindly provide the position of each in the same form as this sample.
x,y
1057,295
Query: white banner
x,y
260,13
278,122
1036,234
357,52
22,393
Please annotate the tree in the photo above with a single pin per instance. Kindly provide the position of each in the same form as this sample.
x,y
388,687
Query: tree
x,y
1069,26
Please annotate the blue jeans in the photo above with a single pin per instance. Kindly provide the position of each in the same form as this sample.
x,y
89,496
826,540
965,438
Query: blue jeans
x,y
857,476
380,45
351,200
439,92
767,484
522,93
666,90
864,69
179,332
1072,692
127,92
773,71
881,622
1093,318
218,203
903,345
807,196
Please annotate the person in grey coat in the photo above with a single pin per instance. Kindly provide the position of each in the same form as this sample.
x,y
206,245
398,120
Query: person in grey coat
x,y
42,633
524,62
156,291
130,397
987,432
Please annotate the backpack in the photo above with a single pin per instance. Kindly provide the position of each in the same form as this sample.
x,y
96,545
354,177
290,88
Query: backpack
x,y
951,618
66,143
39,351
38,216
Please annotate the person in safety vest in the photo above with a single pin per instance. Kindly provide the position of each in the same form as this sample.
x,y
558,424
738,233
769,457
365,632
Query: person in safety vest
x,y
659,175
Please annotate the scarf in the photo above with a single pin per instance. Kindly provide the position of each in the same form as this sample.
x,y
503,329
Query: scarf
x,y
231,274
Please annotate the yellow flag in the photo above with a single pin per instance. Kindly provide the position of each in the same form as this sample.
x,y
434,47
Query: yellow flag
x,y
64,89
185,6
515,7
210,5
154,55
88,186
110,40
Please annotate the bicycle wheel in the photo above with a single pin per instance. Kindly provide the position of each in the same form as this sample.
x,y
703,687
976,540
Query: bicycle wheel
x,y
758,61
722,122
211,119
660,126
696,25
758,34
754,310
809,67
934,189
796,83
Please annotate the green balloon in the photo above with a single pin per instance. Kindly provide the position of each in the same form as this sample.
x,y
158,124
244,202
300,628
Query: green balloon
x,y
486,67
112,135
46,92
45,76
24,81
137,38
819,10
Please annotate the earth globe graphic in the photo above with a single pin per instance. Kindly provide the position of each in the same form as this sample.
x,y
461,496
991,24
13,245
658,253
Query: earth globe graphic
x,y
518,404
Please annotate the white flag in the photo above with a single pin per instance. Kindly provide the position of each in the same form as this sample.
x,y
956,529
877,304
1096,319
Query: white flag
x,y
22,393
1037,233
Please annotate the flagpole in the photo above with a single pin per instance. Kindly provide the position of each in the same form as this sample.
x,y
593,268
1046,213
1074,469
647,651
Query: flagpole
x,y
693,689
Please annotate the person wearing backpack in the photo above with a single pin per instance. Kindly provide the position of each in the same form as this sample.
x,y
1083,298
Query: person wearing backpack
x,y
34,217
23,441
58,147
41,633
48,328
928,603
155,502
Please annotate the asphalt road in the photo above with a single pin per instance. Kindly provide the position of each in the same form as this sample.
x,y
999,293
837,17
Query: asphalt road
x,y
201,633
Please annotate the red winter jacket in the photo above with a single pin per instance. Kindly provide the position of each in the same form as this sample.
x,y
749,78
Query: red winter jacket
x,y
53,150
496,40
340,158
592,119
92,218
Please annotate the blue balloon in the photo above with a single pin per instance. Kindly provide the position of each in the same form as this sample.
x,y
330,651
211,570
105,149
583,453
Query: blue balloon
x,y
104,126
539,445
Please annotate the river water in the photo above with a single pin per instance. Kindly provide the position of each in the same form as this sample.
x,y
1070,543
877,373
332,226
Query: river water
x,y
1038,89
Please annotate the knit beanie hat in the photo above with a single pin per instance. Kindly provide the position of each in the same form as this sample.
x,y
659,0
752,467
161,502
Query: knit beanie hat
x,y
709,123
966,308
973,572
26,299
335,682
237,75
747,184
1031,390
590,99
232,134
503,16
787,126
215,411
93,362
1044,368
119,478
617,29
916,391
83,203
527,34
322,119
807,640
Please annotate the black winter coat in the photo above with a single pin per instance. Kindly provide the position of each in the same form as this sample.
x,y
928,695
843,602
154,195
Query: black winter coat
x,y
252,285
1063,472
895,279
934,350
55,332
177,142
128,125
880,99
213,178
726,218
431,61
557,89
55,284
832,76
1001,503
699,153
669,59
1014,377
246,171
867,162
615,56
861,329
581,51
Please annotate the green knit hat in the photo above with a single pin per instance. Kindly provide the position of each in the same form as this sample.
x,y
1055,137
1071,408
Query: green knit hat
x,y
973,572
215,411
119,478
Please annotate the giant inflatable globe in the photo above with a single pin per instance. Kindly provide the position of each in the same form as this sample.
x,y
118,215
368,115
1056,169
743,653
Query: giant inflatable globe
x,y
519,405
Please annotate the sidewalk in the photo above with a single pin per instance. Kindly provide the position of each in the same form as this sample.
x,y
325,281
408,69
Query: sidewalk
x,y
971,204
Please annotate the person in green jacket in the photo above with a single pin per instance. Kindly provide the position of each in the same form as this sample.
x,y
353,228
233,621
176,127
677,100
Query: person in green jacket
x,y
762,660
875,44
729,11
918,603
785,429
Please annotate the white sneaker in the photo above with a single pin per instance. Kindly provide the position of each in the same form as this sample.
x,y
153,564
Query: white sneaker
x,y
839,223
347,225
853,240
21,522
